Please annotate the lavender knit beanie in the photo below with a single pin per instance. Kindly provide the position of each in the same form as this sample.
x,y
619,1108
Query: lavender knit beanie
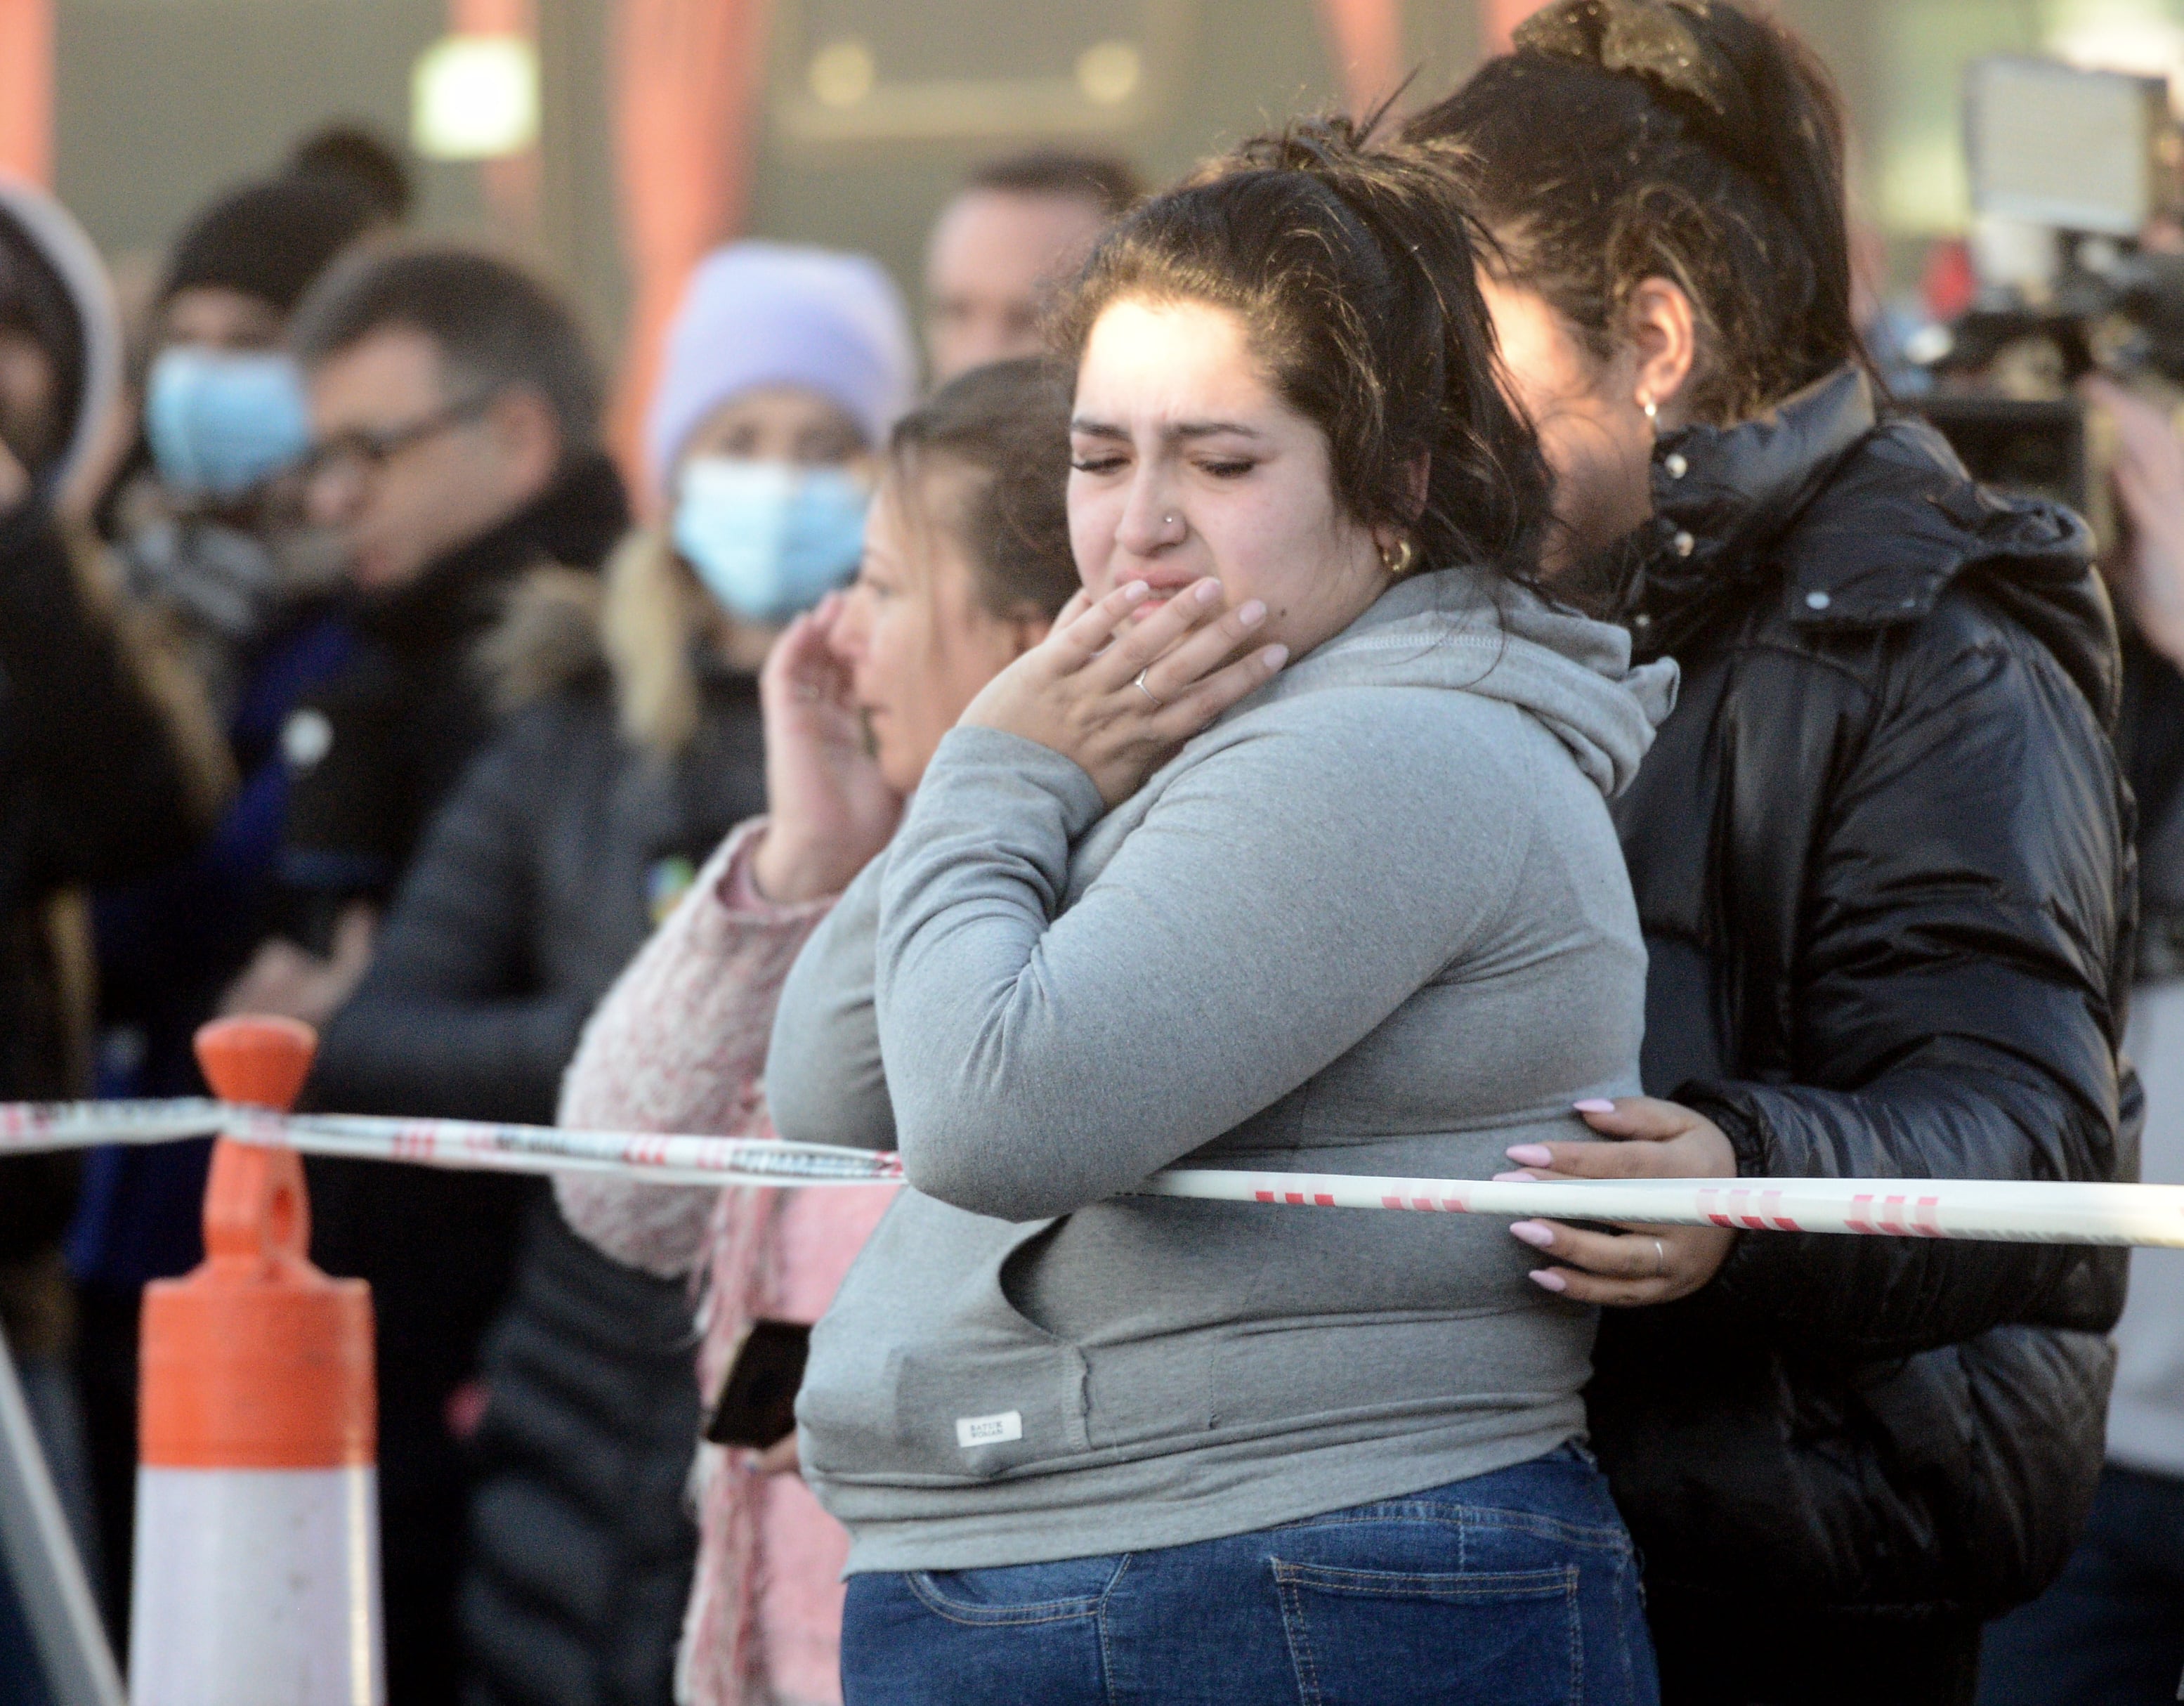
x,y
759,314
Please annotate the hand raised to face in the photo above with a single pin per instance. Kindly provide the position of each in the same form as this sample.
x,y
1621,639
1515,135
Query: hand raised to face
x,y
1118,698
830,809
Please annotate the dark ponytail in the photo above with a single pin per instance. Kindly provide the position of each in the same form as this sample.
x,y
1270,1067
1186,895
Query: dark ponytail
x,y
1355,280
1689,140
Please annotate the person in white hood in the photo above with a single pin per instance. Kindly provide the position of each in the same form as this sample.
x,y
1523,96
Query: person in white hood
x,y
109,765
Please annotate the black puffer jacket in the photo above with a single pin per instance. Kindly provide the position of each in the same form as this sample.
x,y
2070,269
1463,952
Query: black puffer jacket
x,y
560,849
580,1538
536,884
392,734
1882,857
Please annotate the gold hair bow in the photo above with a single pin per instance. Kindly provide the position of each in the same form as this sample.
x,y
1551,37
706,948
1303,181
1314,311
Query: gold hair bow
x,y
1643,38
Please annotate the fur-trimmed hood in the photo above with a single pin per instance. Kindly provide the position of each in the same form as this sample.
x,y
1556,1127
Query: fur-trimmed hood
x,y
635,628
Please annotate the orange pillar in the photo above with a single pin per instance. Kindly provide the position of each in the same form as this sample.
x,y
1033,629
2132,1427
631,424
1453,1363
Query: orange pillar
x,y
512,184
1499,18
1367,39
687,78
26,89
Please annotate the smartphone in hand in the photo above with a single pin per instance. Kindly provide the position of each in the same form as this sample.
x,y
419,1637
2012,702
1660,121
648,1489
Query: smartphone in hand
x,y
757,1405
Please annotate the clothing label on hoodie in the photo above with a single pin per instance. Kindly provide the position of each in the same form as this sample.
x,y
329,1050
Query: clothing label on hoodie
x,y
989,1430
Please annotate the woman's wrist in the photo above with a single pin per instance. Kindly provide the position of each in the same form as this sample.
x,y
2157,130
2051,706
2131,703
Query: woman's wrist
x,y
787,871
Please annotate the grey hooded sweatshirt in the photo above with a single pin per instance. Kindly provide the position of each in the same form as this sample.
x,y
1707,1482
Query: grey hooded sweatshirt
x,y
1373,921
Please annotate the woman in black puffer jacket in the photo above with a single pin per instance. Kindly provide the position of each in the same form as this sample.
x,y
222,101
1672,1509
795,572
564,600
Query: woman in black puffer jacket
x,y
1880,852
535,885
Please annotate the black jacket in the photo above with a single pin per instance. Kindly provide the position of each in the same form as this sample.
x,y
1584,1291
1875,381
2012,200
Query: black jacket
x,y
405,720
535,886
377,748
2150,741
582,1543
1882,857
94,787
389,737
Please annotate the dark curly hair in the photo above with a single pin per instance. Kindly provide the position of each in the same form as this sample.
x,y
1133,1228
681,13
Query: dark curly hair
x,y
1350,264
1688,140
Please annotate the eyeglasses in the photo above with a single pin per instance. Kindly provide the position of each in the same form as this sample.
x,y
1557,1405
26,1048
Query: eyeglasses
x,y
362,452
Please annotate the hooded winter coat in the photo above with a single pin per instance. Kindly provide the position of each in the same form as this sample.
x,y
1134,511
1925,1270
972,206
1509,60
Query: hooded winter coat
x,y
110,762
1882,858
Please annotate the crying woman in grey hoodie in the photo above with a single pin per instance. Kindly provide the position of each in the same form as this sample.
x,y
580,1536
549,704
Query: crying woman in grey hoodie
x,y
1290,852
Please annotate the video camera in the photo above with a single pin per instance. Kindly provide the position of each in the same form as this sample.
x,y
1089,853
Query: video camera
x,y
2069,170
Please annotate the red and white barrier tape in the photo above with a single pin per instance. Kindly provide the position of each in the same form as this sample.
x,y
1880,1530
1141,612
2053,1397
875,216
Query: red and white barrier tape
x,y
2009,1210
474,1145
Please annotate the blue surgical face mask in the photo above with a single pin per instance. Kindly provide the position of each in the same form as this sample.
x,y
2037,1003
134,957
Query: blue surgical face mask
x,y
769,539
223,421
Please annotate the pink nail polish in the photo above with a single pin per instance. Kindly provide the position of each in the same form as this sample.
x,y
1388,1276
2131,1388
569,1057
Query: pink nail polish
x,y
1593,1104
1534,1232
1206,591
1252,614
1531,1155
1515,1178
1548,1280
1275,657
1135,590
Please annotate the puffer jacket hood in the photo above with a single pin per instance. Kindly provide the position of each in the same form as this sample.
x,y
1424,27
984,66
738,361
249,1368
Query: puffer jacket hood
x,y
1854,523
1452,629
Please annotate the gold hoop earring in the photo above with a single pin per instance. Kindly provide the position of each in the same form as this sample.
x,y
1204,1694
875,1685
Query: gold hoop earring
x,y
1399,560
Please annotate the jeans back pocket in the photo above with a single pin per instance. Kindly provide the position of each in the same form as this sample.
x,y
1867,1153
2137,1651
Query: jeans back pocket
x,y
1372,1637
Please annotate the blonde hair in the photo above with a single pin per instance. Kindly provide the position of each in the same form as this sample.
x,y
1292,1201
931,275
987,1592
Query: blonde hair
x,y
639,618
650,617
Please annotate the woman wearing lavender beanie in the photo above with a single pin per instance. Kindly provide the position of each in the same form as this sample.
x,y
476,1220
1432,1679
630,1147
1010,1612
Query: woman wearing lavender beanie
x,y
631,747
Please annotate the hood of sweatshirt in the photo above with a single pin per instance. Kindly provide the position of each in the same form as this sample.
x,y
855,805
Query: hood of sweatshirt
x,y
1455,630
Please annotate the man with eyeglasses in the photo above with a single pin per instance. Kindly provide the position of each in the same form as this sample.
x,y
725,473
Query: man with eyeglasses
x,y
455,420
454,414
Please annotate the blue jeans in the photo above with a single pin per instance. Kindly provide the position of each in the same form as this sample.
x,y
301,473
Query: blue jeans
x,y
1517,1588
2110,1631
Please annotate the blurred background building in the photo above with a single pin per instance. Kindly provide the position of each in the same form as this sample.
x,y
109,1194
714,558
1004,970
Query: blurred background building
x,y
613,140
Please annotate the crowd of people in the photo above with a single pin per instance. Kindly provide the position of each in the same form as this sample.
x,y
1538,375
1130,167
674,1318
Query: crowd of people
x,y
1427,649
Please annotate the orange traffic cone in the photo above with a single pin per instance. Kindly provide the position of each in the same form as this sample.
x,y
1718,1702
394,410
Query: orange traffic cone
x,y
257,1572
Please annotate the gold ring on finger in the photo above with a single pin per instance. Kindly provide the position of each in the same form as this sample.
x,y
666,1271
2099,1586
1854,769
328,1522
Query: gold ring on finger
x,y
1159,704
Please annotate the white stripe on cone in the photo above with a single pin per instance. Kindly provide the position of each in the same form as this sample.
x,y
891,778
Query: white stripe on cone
x,y
256,1588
